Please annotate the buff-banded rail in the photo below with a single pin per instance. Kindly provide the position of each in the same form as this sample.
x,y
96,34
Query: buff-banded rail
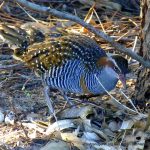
x,y
70,63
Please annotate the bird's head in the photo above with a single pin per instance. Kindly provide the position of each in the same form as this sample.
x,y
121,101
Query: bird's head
x,y
114,67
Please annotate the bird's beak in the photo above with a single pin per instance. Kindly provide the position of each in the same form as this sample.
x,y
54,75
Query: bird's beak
x,y
122,78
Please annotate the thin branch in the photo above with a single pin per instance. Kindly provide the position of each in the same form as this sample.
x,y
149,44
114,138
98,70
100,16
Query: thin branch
x,y
64,15
28,13
8,67
5,57
120,105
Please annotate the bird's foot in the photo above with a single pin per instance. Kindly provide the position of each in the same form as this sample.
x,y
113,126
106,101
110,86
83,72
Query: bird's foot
x,y
64,94
48,99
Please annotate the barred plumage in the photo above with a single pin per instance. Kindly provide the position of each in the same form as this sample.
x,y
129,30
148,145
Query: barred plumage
x,y
69,60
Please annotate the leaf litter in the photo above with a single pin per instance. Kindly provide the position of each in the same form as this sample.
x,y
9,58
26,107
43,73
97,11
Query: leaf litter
x,y
96,123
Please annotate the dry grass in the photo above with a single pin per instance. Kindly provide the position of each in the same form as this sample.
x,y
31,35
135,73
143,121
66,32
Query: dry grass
x,y
24,96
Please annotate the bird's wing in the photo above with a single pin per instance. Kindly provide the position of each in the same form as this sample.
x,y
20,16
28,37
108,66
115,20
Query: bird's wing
x,y
56,51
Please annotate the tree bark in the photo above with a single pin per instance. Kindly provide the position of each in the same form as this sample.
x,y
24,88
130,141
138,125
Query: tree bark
x,y
142,89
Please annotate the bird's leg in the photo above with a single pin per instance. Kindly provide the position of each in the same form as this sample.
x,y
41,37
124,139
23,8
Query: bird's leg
x,y
48,99
49,102
64,94
46,94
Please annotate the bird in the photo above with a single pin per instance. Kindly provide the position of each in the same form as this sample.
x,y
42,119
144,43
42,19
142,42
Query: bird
x,y
72,63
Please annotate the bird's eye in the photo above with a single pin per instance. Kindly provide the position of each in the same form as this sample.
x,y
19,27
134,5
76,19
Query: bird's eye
x,y
116,69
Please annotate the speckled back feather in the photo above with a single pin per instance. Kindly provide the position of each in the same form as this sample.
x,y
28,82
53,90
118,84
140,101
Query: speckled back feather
x,y
57,51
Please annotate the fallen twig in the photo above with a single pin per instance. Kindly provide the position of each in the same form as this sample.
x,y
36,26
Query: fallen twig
x,y
8,67
5,57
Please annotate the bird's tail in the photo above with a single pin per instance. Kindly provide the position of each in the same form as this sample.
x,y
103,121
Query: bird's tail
x,y
20,37
14,37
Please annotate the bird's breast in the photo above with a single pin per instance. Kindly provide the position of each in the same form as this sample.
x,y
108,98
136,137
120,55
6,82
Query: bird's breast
x,y
106,76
